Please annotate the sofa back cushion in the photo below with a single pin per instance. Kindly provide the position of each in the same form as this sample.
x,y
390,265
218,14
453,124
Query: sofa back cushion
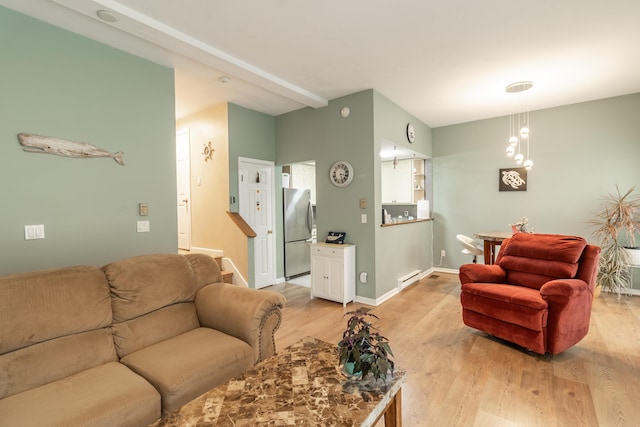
x,y
152,297
45,316
146,283
533,259
167,322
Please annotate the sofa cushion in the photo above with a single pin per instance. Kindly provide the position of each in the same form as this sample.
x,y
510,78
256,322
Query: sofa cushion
x,y
52,360
533,259
184,367
142,284
512,304
205,268
553,247
108,395
38,306
135,334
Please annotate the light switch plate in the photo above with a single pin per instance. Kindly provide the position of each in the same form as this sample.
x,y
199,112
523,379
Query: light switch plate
x,y
34,232
143,226
143,209
363,218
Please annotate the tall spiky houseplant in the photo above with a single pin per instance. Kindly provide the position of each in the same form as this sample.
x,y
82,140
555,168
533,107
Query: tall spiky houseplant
x,y
616,226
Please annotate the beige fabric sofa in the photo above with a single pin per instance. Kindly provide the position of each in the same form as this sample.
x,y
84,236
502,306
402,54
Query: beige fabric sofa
x,y
118,346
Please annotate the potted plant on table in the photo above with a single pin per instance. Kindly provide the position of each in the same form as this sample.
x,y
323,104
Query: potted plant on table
x,y
616,226
362,350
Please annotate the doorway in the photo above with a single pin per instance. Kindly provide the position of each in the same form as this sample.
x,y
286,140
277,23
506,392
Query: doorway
x,y
256,189
183,177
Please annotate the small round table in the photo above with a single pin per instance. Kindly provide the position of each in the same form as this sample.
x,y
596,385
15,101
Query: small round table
x,y
491,240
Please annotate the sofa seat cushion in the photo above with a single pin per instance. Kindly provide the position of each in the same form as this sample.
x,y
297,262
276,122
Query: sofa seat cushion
x,y
108,395
516,305
183,367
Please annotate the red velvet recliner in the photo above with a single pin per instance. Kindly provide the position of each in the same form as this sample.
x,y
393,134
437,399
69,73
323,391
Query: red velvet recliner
x,y
537,295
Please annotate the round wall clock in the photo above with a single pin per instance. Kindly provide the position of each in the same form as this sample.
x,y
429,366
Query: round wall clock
x,y
341,173
411,132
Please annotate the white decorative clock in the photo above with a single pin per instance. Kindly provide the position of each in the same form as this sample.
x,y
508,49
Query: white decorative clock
x,y
411,132
341,173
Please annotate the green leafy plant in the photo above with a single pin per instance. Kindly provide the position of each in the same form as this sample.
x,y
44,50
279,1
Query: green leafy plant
x,y
616,226
364,347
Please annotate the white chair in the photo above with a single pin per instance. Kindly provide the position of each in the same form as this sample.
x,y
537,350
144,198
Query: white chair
x,y
470,247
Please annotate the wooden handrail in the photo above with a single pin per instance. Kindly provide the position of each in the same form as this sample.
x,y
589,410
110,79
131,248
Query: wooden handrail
x,y
242,224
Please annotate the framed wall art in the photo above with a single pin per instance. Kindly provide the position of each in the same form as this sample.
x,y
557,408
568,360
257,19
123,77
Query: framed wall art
x,y
512,179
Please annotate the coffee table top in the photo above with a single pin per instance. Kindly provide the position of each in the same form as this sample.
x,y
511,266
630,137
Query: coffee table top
x,y
302,385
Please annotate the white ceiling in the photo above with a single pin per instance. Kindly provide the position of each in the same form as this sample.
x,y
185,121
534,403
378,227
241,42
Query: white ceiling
x,y
444,62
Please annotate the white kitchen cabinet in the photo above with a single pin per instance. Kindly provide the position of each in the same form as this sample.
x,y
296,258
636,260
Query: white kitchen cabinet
x,y
333,272
397,181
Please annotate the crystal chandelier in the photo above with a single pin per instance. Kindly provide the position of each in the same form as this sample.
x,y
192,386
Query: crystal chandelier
x,y
519,138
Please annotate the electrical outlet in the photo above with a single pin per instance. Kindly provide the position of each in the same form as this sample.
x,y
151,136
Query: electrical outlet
x,y
443,253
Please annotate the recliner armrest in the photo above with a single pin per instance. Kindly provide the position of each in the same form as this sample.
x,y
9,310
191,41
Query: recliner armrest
x,y
247,314
561,289
482,273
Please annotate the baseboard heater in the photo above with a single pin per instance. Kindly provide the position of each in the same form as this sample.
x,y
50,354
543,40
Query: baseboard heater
x,y
409,279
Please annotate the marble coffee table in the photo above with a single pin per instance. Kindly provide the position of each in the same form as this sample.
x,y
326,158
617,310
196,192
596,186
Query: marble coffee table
x,y
300,386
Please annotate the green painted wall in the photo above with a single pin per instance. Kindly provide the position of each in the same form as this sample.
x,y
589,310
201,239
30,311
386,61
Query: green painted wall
x,y
400,249
57,83
580,153
324,136
252,135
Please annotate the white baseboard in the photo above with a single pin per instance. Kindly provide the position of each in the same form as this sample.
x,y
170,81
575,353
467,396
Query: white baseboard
x,y
238,279
211,252
409,279
415,278
446,270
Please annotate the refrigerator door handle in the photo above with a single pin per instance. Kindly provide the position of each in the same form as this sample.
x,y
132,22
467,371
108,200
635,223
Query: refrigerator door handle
x,y
309,216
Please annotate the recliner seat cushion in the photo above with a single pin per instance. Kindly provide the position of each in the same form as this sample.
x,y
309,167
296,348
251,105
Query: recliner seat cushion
x,y
109,395
517,305
184,367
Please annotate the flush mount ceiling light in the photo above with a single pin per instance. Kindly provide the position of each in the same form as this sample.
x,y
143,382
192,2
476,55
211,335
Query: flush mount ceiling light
x,y
107,16
519,129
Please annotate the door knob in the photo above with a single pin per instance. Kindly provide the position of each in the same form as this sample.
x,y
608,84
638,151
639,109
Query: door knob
x,y
185,200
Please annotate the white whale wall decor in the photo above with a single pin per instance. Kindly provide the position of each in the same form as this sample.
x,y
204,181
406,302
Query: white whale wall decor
x,y
60,147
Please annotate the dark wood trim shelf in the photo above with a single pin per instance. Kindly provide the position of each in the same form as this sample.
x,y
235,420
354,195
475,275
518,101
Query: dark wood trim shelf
x,y
242,224
406,222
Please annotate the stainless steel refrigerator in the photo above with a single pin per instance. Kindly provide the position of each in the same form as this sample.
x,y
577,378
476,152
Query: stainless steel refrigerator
x,y
298,223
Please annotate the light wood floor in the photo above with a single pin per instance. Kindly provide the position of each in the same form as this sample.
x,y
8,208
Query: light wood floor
x,y
458,376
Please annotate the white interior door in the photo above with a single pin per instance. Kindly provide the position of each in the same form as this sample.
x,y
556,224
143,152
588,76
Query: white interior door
x,y
183,170
257,206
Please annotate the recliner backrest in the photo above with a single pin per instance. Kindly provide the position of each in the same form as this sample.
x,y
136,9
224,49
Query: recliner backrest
x,y
532,260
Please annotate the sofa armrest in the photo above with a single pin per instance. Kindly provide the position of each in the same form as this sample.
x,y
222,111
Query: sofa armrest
x,y
482,273
247,314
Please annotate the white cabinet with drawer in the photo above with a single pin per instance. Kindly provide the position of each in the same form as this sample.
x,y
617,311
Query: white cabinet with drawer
x,y
333,272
